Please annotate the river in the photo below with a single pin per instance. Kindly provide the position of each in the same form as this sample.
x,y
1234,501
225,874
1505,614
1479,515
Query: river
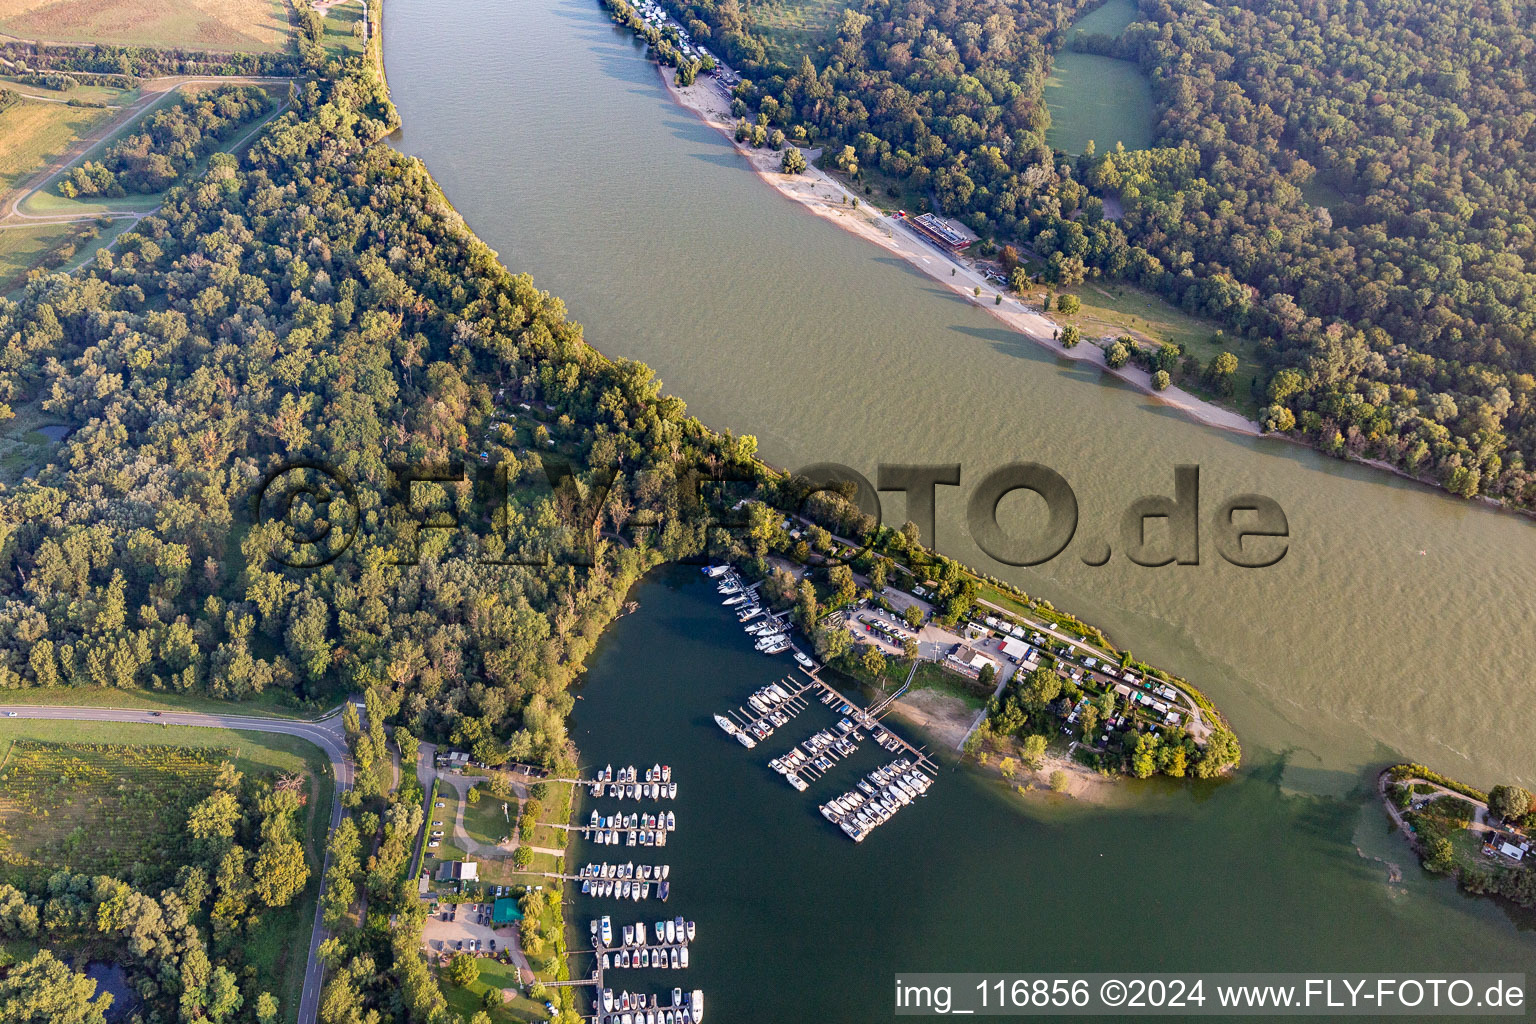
x,y
1398,625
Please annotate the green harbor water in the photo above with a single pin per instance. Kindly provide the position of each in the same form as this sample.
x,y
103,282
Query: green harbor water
x,y
1398,625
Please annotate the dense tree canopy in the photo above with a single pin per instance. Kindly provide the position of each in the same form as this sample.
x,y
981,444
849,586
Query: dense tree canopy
x,y
168,143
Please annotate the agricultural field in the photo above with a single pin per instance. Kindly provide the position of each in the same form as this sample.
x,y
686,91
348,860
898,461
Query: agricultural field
x,y
34,132
251,26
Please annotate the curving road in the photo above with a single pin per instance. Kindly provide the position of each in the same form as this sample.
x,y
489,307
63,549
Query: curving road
x,y
326,733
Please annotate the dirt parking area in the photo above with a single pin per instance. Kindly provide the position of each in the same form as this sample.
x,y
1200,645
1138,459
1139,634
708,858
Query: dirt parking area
x,y
444,936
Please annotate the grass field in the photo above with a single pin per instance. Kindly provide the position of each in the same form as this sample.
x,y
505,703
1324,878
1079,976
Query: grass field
x,y
48,202
790,26
466,1002
931,676
1113,308
1108,19
341,24
33,132
105,93
59,247
257,26
52,784
1098,98
484,821
98,808
449,850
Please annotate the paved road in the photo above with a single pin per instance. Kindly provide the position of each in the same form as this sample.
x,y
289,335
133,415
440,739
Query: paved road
x,y
326,733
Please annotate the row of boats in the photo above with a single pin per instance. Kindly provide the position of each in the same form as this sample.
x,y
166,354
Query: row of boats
x,y
637,829
770,634
877,799
637,1008
789,766
769,699
625,881
627,785
732,730
668,933
658,958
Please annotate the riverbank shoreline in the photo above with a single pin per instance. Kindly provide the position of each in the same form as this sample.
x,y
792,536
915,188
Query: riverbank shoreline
x,y
825,197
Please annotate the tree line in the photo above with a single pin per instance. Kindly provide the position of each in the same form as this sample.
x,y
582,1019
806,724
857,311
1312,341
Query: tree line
x,y
167,144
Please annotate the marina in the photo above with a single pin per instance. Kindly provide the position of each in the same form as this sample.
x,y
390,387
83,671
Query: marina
x,y
772,707
664,944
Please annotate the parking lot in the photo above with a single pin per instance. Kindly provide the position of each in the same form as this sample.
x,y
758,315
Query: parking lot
x,y
443,936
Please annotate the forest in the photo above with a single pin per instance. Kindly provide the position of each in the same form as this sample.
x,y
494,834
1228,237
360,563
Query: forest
x,y
1349,185
167,144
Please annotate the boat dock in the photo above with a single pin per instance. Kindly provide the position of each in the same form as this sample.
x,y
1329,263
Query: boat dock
x,y
775,705
866,719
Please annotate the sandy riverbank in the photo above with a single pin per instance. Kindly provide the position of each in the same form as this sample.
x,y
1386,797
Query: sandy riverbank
x,y
944,720
824,196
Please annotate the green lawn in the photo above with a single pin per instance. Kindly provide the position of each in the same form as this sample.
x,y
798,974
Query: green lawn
x,y
278,946
1098,98
1109,19
485,822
